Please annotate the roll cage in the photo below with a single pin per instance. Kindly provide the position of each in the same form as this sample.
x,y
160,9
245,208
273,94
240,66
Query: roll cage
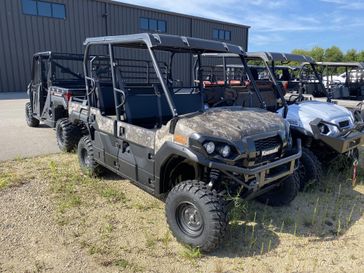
x,y
50,62
152,43
270,59
348,66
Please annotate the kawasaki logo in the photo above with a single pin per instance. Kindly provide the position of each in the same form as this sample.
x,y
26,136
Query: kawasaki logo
x,y
270,151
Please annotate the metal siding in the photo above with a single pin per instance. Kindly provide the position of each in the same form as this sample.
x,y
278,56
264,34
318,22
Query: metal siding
x,y
23,35
204,29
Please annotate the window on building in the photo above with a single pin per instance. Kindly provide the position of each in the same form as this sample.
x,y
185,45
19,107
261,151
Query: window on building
x,y
43,8
221,34
227,35
58,11
153,25
29,7
144,23
215,34
162,26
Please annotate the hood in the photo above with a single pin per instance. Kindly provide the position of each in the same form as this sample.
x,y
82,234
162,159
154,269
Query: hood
x,y
230,123
301,114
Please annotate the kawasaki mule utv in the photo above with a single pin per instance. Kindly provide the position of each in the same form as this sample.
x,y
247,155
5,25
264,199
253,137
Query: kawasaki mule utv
x,y
327,130
56,77
147,123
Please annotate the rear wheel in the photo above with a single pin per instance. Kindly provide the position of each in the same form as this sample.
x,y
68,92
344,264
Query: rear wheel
x,y
31,121
309,169
196,215
284,194
67,135
86,157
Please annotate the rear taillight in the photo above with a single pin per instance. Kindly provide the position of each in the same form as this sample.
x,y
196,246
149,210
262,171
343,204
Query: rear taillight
x,y
285,85
68,95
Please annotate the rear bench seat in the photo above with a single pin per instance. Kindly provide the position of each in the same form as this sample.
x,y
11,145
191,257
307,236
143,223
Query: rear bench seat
x,y
144,108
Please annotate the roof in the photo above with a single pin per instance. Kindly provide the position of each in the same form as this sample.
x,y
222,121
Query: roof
x,y
114,2
342,64
167,42
275,56
57,55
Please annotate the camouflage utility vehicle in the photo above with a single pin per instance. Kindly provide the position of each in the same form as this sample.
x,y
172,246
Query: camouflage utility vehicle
x,y
148,124
56,77
327,131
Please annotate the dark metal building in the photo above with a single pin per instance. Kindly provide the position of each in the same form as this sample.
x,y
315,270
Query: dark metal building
x,y
29,26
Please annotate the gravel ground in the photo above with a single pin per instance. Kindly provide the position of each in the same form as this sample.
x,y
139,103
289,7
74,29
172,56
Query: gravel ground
x,y
54,219
30,239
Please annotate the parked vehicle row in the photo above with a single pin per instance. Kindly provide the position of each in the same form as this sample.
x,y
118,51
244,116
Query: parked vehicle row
x,y
193,143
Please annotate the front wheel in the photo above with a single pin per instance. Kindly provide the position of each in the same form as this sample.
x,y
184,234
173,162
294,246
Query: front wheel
x,y
31,121
284,194
196,215
309,170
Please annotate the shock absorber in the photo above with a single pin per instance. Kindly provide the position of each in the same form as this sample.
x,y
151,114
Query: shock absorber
x,y
214,177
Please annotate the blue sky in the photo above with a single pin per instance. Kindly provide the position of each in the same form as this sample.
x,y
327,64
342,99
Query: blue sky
x,y
282,25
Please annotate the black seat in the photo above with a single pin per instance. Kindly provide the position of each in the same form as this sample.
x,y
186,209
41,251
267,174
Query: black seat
x,y
148,106
105,98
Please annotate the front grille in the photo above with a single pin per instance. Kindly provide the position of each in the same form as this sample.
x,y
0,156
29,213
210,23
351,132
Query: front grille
x,y
344,124
267,143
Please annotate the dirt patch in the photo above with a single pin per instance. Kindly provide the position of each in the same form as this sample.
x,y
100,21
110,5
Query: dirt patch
x,y
57,220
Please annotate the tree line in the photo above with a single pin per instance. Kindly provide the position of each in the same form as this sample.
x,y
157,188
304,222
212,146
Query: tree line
x,y
332,54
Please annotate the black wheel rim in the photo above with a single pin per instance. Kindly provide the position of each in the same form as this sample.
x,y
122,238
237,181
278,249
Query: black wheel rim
x,y
189,219
85,157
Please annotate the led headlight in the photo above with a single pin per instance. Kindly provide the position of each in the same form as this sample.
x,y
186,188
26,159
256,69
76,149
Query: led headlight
x,y
225,151
324,129
209,147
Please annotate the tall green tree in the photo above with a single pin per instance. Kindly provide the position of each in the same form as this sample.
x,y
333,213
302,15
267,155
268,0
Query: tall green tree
x,y
351,55
334,54
360,57
301,52
318,54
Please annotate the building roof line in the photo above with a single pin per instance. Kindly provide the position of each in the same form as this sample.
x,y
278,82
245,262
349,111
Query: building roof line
x,y
114,2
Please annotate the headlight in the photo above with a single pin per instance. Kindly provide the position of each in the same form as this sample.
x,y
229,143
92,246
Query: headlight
x,y
324,129
225,151
209,147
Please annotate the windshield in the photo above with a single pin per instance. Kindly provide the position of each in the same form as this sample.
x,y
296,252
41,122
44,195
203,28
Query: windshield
x,y
64,69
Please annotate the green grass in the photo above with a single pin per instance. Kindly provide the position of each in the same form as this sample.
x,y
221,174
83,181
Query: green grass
x,y
9,179
191,253
113,195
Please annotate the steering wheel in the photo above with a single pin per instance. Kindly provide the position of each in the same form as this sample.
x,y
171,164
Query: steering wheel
x,y
230,96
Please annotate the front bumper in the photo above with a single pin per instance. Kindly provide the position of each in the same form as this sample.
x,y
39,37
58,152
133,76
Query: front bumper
x,y
347,139
262,175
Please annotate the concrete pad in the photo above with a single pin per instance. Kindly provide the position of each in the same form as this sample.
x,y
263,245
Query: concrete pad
x,y
16,138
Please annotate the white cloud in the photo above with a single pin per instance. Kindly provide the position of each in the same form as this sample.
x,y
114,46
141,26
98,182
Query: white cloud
x,y
272,21
353,5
